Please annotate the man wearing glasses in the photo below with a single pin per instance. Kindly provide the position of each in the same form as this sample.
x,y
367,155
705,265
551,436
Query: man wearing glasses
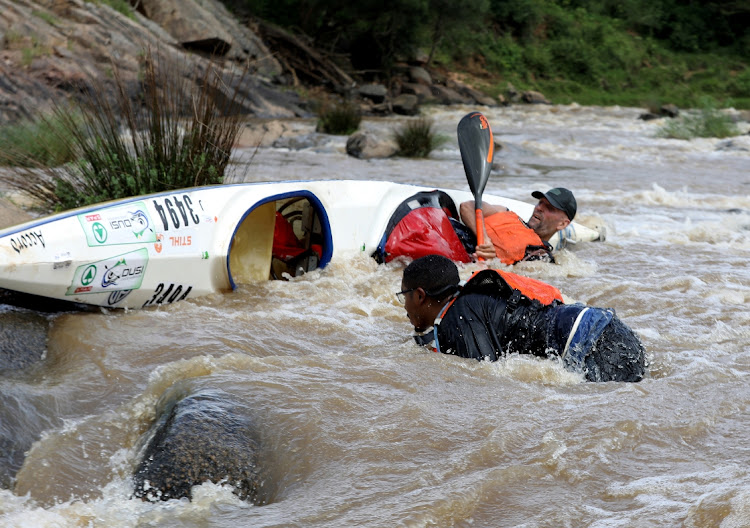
x,y
497,313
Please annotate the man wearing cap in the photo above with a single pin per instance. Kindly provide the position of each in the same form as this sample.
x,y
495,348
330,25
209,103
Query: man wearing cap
x,y
512,240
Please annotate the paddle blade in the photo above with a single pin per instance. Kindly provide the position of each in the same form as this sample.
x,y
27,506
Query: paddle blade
x,y
477,150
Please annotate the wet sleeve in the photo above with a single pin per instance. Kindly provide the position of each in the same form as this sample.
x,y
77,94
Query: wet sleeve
x,y
470,330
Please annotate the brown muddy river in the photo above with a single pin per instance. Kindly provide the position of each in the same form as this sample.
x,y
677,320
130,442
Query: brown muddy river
x,y
360,427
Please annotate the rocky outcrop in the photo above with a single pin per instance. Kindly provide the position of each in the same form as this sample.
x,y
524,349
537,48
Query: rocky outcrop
x,y
52,49
665,110
199,437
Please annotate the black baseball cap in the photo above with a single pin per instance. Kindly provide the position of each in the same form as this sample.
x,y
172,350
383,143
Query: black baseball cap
x,y
561,198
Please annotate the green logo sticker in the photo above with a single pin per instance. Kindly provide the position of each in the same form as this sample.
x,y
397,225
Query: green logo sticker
x,y
117,273
123,224
100,232
88,275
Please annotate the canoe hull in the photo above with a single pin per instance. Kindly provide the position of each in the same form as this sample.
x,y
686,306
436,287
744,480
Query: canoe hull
x,y
167,247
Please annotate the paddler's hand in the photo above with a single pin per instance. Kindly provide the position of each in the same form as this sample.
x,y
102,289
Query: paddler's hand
x,y
485,251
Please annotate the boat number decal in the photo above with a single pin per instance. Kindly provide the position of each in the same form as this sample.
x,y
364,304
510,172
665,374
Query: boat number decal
x,y
26,240
168,294
179,212
122,272
126,224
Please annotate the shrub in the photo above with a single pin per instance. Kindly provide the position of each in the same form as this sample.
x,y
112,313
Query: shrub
x,y
180,135
707,122
416,139
339,119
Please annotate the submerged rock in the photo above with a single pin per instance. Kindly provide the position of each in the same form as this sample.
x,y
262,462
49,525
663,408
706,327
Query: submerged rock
x,y
205,436
23,339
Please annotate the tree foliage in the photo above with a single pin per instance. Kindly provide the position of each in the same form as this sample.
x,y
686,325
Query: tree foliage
x,y
562,46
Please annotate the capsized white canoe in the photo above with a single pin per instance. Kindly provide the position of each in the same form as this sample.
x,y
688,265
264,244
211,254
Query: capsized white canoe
x,y
165,247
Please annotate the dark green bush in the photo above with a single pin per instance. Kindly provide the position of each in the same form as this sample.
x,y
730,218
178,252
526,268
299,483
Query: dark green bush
x,y
416,139
180,134
707,122
339,118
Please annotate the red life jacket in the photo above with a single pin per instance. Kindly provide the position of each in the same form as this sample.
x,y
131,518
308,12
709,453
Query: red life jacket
x,y
425,231
421,225
286,245
510,236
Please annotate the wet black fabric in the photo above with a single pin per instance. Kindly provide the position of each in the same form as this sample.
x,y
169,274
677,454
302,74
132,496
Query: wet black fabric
x,y
487,327
482,326
617,355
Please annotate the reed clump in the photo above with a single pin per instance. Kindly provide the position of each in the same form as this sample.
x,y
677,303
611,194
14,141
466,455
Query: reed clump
x,y
706,122
339,118
174,134
416,139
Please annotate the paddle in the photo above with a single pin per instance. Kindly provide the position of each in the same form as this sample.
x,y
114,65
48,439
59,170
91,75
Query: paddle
x,y
477,149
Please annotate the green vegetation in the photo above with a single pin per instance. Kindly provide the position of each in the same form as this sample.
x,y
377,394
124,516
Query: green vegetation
x,y
708,122
339,118
36,49
33,143
180,136
49,18
416,139
626,52
121,6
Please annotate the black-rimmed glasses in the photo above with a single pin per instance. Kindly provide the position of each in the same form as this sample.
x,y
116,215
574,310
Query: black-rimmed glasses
x,y
401,295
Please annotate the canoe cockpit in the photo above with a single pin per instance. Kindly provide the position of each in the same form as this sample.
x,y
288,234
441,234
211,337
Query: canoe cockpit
x,y
281,237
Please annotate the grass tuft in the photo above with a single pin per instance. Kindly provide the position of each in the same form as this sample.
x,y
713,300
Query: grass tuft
x,y
708,122
178,134
339,119
416,138
34,143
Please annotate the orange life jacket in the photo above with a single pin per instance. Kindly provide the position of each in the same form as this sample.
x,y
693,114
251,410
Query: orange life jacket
x,y
511,286
531,288
508,285
510,236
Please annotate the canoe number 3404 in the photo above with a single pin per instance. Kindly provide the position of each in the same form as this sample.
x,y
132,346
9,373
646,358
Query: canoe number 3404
x,y
164,294
179,212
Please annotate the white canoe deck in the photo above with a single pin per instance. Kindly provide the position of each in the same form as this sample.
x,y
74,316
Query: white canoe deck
x,y
165,247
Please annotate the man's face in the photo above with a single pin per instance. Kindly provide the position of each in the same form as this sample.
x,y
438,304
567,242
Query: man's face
x,y
547,219
413,304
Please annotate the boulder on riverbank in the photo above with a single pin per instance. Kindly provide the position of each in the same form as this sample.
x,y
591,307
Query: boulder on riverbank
x,y
55,49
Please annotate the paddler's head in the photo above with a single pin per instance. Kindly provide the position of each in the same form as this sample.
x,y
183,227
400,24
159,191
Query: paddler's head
x,y
555,210
428,283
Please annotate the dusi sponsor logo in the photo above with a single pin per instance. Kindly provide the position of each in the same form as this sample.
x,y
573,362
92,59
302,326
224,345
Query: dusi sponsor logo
x,y
121,272
124,224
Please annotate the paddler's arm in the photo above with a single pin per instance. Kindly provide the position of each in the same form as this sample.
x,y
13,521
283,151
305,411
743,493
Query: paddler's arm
x,y
468,216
